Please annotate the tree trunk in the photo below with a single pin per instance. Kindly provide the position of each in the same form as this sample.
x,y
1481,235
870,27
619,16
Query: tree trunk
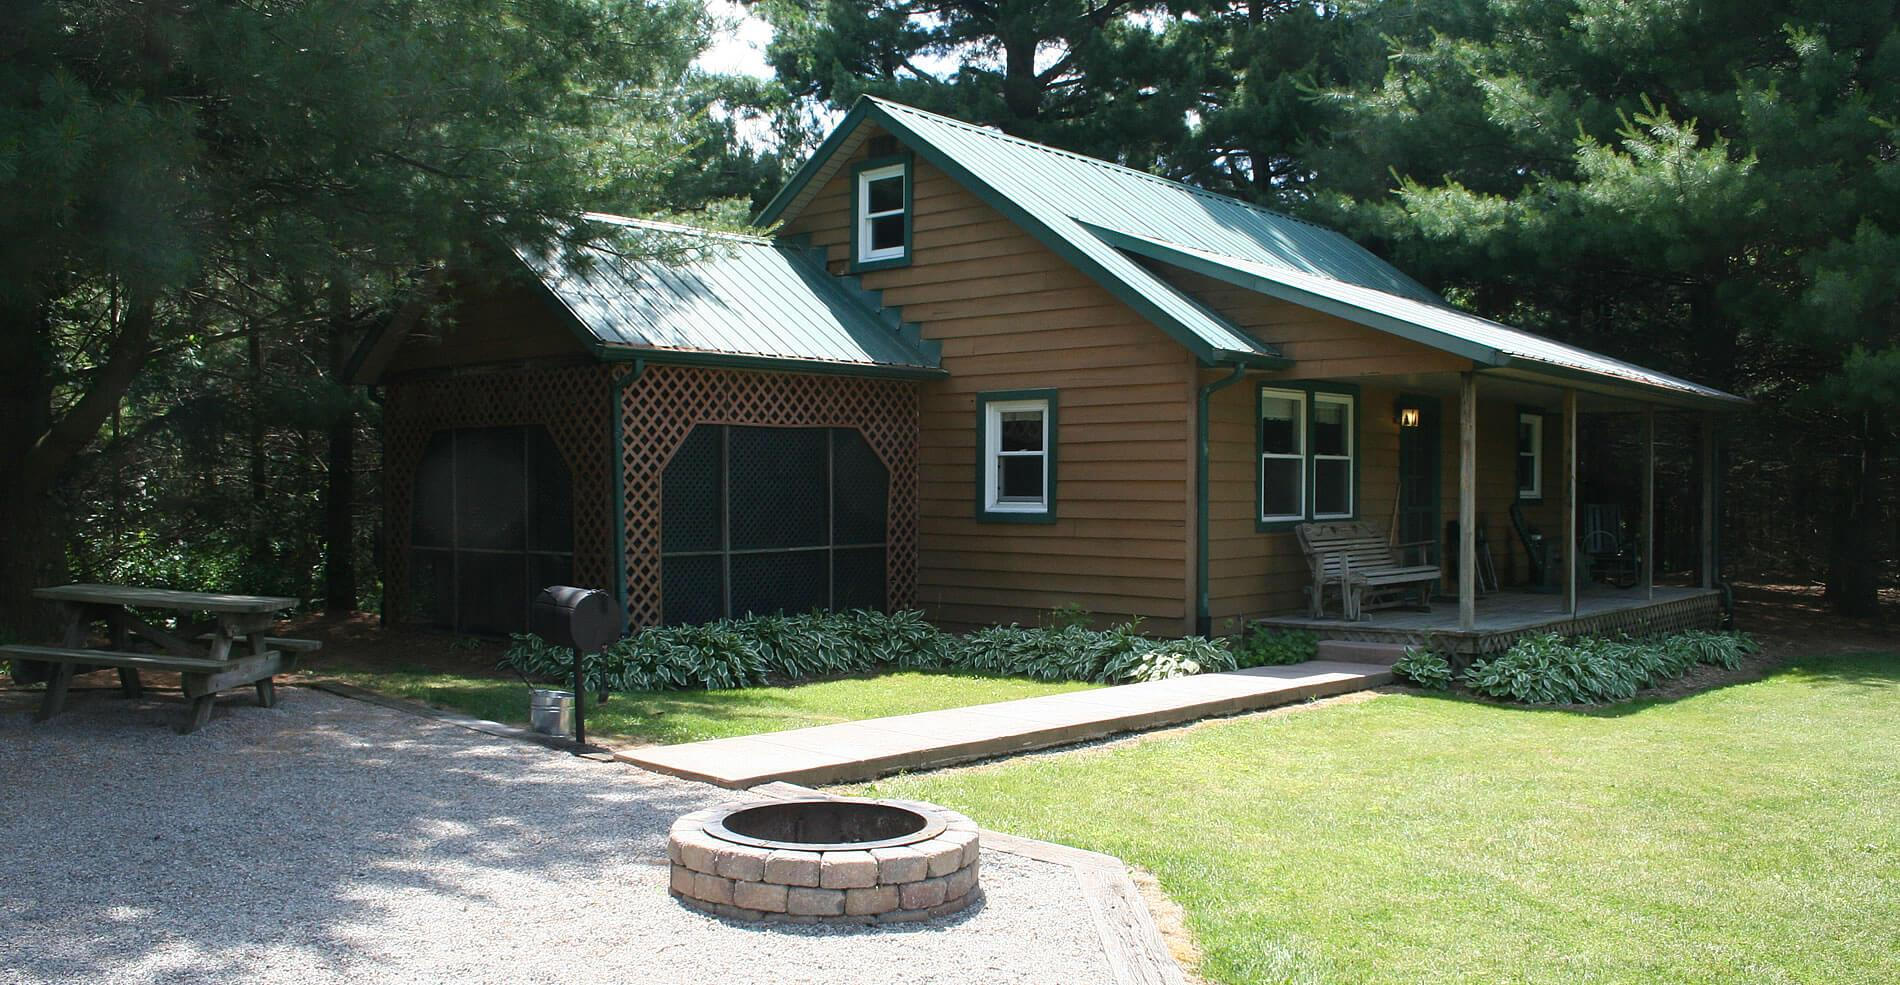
x,y
259,477
1853,577
25,401
339,497
1022,91
35,451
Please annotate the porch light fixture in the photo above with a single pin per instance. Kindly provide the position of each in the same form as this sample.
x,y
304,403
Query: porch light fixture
x,y
1408,417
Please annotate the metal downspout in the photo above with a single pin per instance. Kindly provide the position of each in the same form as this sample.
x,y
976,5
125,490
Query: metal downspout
x,y
618,469
1203,612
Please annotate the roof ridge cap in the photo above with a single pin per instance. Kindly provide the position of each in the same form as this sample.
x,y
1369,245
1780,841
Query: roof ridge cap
x,y
676,227
1196,190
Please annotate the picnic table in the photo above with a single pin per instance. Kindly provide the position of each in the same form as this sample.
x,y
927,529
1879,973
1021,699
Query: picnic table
x,y
227,647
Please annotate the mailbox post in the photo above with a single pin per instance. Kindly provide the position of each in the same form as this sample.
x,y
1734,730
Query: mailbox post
x,y
583,620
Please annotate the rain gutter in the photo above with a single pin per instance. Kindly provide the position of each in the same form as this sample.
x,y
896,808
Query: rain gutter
x,y
1203,611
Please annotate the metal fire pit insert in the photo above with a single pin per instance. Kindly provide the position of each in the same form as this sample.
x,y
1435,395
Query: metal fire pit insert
x,y
825,860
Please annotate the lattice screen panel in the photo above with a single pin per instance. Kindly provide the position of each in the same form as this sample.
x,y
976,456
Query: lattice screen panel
x,y
572,404
663,405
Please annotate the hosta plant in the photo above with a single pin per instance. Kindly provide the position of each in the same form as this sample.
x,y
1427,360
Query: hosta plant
x,y
1425,667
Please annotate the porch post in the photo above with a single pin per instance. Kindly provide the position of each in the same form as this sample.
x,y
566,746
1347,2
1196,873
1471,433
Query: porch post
x,y
1571,552
1708,501
1468,501
1649,503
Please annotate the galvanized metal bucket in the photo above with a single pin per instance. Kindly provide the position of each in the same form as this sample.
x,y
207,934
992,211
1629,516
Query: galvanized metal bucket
x,y
551,712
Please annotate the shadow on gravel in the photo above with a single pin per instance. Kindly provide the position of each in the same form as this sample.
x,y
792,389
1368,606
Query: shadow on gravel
x,y
329,838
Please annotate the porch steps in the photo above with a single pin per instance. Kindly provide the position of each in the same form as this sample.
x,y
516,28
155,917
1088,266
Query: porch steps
x,y
1353,651
852,751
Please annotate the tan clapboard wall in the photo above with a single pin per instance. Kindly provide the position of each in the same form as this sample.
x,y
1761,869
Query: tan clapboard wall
x,y
1253,573
1010,315
505,323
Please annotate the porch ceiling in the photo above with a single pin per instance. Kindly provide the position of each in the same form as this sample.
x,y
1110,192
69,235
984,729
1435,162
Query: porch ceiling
x,y
1543,394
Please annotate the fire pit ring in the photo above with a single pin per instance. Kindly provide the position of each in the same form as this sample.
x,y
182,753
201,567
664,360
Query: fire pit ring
x,y
825,860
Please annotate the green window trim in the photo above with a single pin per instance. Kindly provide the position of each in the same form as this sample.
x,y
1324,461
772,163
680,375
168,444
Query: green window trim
x,y
987,510
1539,453
1311,392
858,219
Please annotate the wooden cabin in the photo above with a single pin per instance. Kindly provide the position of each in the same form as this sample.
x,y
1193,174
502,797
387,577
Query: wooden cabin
x,y
987,378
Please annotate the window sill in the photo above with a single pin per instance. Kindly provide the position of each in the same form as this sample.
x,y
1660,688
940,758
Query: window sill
x,y
1283,526
1015,516
885,263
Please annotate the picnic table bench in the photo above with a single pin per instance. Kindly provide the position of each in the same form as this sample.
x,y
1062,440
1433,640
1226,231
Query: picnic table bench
x,y
1356,558
229,649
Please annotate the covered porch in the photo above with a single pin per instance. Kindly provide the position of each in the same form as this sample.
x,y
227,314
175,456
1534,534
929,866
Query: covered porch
x,y
1411,450
1500,619
1479,446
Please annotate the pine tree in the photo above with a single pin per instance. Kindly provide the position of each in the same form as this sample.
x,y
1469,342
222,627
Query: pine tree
x,y
164,164
1708,187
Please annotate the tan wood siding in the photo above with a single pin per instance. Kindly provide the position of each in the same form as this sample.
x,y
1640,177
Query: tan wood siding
x,y
1012,315
1253,573
503,323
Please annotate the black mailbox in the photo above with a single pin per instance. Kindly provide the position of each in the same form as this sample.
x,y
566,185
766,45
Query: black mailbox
x,y
580,618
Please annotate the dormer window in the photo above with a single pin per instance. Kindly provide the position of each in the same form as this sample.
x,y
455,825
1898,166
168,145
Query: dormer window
x,y
881,237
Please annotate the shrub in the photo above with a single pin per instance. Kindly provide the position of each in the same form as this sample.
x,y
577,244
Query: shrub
x,y
1156,660
1425,667
1069,614
1045,654
1263,647
1549,669
754,650
1724,650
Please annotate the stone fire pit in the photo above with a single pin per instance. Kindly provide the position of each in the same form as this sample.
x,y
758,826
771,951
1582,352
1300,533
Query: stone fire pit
x,y
825,860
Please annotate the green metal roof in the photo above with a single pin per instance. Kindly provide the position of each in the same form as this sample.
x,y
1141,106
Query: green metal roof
x,y
718,298
1488,343
1015,176
1096,213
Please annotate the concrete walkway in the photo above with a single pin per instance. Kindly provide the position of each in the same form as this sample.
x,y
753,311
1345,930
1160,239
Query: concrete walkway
x,y
854,751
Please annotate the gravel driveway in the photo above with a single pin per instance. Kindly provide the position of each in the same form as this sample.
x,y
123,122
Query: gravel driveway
x,y
331,840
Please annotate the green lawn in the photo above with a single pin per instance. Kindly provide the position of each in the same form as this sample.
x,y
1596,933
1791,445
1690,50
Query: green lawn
x,y
687,716
1748,835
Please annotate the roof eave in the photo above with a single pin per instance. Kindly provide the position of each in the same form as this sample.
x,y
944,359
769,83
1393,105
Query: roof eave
x,y
814,164
733,360
1483,355
1248,360
1557,374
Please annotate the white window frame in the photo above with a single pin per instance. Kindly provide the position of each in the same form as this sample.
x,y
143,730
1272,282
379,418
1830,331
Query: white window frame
x,y
1536,489
1297,455
993,452
865,253
1347,401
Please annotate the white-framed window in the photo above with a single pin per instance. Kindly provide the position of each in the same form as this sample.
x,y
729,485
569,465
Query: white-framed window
x,y
1333,451
1018,441
883,220
1530,455
1282,455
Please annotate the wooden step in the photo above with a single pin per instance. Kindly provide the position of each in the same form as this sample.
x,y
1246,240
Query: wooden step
x,y
1351,651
